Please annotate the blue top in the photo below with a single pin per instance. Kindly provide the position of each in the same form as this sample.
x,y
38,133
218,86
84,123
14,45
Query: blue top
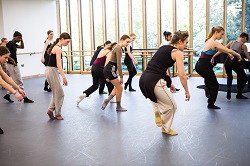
x,y
210,51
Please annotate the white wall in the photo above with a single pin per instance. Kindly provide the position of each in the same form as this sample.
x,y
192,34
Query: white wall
x,y
33,18
1,20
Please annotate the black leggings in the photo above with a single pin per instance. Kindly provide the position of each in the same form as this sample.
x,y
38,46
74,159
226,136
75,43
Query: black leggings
x,y
98,77
132,72
234,65
205,69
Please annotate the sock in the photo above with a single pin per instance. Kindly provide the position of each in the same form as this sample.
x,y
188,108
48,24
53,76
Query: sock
x,y
106,101
7,97
119,107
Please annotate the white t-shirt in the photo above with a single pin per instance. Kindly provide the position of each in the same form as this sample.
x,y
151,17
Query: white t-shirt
x,y
165,42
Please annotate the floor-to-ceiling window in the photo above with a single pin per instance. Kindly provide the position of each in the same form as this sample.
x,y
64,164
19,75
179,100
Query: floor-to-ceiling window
x,y
151,22
234,21
75,38
148,19
199,28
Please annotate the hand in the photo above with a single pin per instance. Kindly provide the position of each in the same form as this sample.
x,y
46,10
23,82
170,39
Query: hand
x,y
65,82
121,80
42,60
172,88
136,63
18,96
248,59
187,96
231,56
22,92
239,58
89,68
212,60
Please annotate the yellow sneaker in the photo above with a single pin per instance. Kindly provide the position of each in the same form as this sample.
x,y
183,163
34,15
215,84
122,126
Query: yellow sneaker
x,y
171,132
158,120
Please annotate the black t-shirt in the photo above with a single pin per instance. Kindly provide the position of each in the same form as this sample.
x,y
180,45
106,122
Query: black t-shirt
x,y
12,48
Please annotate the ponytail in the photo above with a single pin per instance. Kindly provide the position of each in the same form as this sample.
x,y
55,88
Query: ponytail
x,y
63,35
51,47
213,30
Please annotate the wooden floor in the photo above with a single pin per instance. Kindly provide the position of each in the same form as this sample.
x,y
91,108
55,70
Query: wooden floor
x,y
89,136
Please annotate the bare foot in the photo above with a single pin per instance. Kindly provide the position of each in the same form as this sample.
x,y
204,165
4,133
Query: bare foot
x,y
51,115
59,117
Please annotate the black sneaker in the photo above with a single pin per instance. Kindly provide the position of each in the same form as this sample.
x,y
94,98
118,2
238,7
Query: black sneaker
x,y
7,97
132,90
47,89
1,131
27,100
212,106
241,96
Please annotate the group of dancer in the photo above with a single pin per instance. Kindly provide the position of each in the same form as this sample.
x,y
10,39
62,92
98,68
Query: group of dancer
x,y
154,81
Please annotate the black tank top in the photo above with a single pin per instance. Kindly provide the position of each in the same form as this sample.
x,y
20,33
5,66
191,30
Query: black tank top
x,y
161,60
52,60
127,57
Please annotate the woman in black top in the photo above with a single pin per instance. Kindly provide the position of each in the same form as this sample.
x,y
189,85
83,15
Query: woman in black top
x,y
53,68
154,79
129,62
45,57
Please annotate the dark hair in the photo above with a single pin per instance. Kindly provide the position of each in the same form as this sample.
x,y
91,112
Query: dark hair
x,y
166,34
107,42
111,46
4,50
64,35
49,31
213,30
124,37
16,33
179,35
243,35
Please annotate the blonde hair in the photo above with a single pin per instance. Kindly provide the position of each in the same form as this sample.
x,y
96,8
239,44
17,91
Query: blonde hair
x,y
132,34
213,30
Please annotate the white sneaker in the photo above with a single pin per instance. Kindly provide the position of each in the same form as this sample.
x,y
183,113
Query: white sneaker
x,y
81,97
112,100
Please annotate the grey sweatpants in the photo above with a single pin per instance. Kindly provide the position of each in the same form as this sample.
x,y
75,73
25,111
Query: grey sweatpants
x,y
165,104
52,76
14,73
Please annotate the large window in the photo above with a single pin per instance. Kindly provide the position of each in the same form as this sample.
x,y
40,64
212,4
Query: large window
x,y
123,17
182,15
86,37
97,10
166,16
110,20
199,28
247,16
234,15
75,39
151,21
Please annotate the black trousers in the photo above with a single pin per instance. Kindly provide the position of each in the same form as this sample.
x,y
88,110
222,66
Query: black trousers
x,y
131,70
234,65
98,78
205,69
